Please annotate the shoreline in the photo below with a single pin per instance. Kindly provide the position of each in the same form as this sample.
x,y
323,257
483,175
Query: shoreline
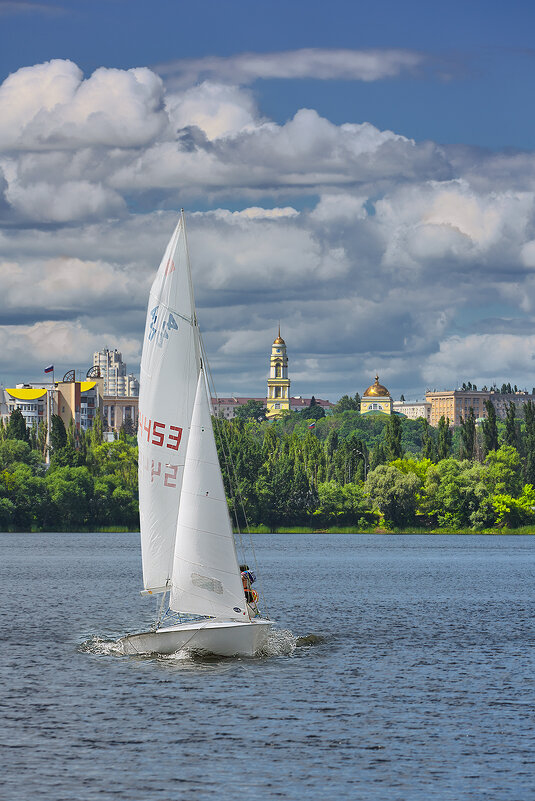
x,y
262,529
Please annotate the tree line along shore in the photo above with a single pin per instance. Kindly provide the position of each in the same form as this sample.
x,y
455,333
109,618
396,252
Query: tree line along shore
x,y
349,472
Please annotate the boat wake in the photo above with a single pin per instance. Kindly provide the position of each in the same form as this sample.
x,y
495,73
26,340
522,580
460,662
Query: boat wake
x,y
101,646
280,642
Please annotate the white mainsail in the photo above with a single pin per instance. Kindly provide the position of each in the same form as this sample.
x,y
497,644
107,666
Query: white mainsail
x,y
170,366
206,578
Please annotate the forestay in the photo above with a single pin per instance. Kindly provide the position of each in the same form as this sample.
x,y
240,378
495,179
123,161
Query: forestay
x,y
170,365
206,578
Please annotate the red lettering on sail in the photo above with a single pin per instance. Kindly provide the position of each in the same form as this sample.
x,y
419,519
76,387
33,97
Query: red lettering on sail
x,y
175,437
146,428
157,436
170,476
154,472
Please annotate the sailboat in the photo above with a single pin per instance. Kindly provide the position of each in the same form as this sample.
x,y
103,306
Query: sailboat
x,y
187,545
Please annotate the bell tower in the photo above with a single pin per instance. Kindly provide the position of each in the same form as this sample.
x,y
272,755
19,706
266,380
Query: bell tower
x,y
278,394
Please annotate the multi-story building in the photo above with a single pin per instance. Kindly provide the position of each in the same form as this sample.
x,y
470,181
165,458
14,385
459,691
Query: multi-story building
x,y
226,407
456,403
297,404
118,411
113,370
30,400
70,399
413,410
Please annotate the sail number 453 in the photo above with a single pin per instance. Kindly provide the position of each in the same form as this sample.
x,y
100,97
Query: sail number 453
x,y
160,433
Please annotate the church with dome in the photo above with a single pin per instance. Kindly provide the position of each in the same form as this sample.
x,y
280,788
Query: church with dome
x,y
376,400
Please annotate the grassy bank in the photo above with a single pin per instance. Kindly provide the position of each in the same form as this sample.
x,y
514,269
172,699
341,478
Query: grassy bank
x,y
352,530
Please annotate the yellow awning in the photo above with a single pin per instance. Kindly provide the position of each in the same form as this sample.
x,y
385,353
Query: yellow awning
x,y
26,394
85,385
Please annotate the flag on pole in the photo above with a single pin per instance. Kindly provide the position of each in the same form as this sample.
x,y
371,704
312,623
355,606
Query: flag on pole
x,y
312,425
49,369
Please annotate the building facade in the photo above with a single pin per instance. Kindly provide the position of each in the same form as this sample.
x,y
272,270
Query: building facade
x,y
413,410
278,392
113,371
75,401
226,407
455,404
120,411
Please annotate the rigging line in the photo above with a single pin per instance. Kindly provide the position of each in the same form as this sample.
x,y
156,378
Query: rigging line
x,y
233,480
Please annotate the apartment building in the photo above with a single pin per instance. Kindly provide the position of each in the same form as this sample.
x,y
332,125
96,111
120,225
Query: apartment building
x,y
113,371
456,403
71,400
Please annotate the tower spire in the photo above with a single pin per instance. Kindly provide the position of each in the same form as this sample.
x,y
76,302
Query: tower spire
x,y
278,395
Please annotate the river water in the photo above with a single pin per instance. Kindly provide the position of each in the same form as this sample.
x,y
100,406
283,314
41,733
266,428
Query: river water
x,y
417,684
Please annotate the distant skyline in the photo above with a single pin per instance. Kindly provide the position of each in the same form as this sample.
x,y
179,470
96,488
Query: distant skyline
x,y
363,173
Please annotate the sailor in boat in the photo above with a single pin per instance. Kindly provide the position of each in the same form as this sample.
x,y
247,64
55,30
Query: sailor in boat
x,y
251,596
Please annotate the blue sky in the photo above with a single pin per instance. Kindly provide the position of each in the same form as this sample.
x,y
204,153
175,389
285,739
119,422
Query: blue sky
x,y
474,87
364,172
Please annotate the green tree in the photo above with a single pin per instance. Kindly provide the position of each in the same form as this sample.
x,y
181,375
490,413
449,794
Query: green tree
x,y
16,427
97,429
71,490
456,495
444,438
344,506
513,512
347,403
71,434
16,450
394,494
314,411
503,471
41,438
378,455
428,444
33,436
468,435
490,428
252,410
529,463
58,435
511,428
28,494
393,438
7,514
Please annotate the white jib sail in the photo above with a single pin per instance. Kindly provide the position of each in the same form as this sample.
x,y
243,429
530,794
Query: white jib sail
x,y
206,578
170,365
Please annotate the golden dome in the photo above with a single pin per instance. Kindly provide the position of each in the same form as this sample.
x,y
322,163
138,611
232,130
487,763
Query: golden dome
x,y
376,389
279,340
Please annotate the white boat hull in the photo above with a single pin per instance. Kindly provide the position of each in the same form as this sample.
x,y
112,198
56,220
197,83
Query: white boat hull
x,y
219,637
